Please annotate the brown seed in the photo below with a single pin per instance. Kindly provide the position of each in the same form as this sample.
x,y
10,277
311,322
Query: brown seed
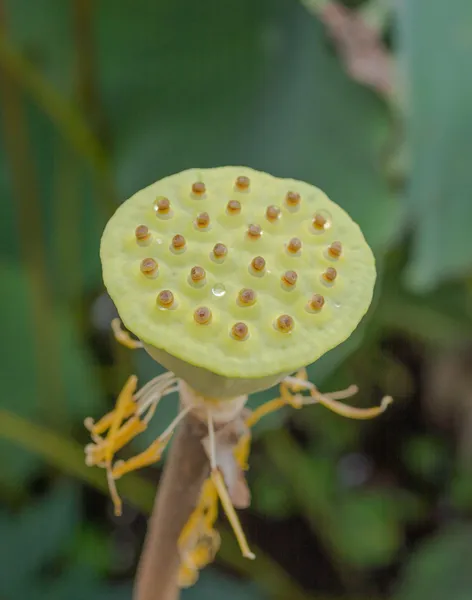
x,y
335,250
165,298
142,233
148,266
294,245
317,302
178,242
292,199
247,296
284,323
242,183
197,274
254,231
319,221
272,213
220,250
198,188
202,315
162,205
239,331
203,220
258,263
289,278
233,207
330,274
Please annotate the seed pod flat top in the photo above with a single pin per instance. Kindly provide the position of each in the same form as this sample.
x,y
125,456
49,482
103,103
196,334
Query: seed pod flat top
x,y
236,271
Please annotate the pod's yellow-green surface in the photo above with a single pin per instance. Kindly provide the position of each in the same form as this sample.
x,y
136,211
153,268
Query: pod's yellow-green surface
x,y
214,322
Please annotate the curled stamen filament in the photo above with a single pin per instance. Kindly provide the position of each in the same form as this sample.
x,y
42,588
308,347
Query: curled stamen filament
x,y
123,337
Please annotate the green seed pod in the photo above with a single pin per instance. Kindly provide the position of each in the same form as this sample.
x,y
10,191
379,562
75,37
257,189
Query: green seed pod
x,y
266,228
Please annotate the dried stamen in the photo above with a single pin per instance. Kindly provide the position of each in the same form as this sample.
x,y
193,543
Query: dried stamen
x,y
162,205
317,302
335,250
258,264
197,274
202,315
284,323
239,331
254,231
289,278
198,188
242,183
330,274
292,199
319,221
294,245
247,296
178,242
233,207
142,234
203,220
165,298
272,213
220,250
149,267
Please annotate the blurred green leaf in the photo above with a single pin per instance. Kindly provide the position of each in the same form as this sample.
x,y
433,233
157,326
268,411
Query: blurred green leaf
x,y
440,568
366,531
270,495
18,370
36,536
436,55
426,456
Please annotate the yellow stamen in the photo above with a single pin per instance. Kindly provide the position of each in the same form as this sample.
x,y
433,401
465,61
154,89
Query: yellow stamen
x,y
150,456
123,337
242,449
352,412
124,435
125,397
231,513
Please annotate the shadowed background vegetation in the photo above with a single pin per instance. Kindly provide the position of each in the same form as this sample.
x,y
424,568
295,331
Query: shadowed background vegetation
x,y
371,101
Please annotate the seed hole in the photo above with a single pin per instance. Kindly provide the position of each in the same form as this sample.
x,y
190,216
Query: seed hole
x,y
242,183
272,213
233,207
149,267
284,323
240,331
202,315
165,299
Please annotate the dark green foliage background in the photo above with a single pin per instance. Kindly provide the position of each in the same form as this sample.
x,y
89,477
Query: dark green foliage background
x,y
101,98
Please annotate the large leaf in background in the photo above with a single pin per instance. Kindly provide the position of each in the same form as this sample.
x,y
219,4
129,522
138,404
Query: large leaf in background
x,y
20,392
437,53
440,568
36,536
182,90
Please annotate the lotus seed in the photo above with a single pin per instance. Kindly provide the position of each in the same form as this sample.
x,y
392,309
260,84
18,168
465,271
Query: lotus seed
x,y
198,188
178,242
254,231
335,250
317,302
272,213
220,250
294,245
233,207
165,298
162,205
143,237
289,278
197,274
242,183
258,263
202,315
285,323
319,222
239,331
203,220
247,297
330,274
149,267
292,199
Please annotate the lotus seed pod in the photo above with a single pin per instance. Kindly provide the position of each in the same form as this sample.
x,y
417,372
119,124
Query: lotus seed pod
x,y
243,347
